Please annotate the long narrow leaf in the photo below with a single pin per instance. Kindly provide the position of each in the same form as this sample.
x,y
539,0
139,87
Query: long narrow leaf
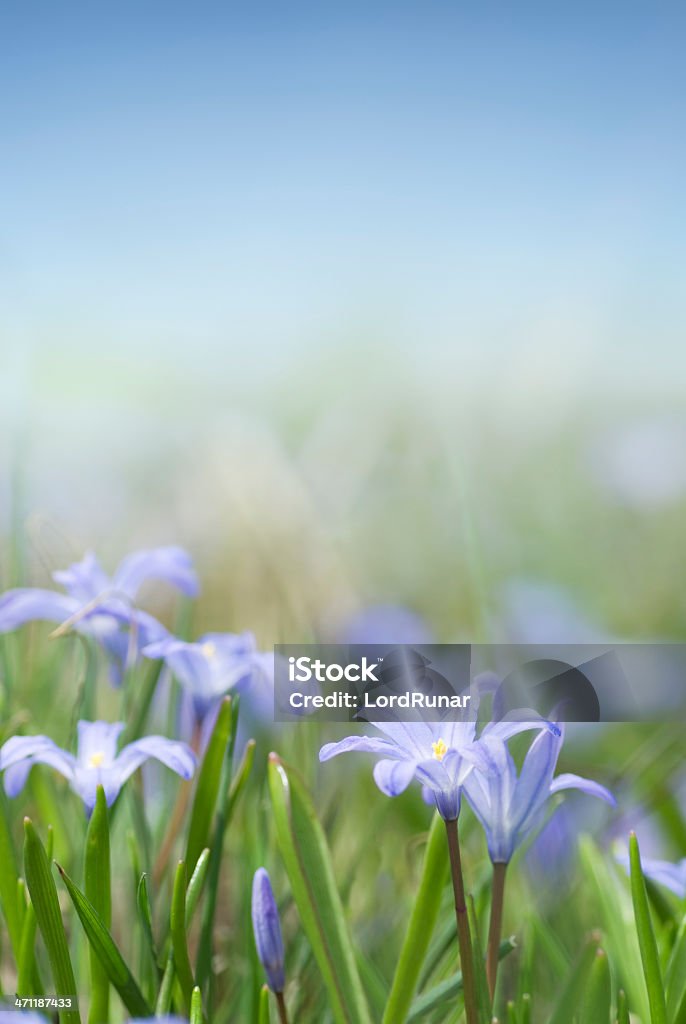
x,y
43,892
306,856
421,925
575,983
448,990
595,1005
107,952
646,937
97,887
182,964
8,879
207,786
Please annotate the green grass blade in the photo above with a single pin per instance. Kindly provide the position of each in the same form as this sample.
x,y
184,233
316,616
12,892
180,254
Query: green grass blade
x,y
43,892
182,964
675,975
26,966
307,860
226,802
196,1007
421,925
448,990
107,952
622,1009
194,890
568,1000
646,937
482,995
207,786
8,879
145,915
263,1012
97,886
596,1001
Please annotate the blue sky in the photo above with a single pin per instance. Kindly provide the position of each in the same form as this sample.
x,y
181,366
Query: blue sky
x,y
256,185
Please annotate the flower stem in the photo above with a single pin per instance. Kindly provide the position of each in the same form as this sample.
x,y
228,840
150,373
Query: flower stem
x,y
496,925
281,1003
463,934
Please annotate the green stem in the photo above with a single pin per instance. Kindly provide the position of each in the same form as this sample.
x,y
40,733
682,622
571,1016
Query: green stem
x,y
463,934
496,926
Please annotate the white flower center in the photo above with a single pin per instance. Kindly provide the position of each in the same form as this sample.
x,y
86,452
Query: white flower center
x,y
96,759
209,650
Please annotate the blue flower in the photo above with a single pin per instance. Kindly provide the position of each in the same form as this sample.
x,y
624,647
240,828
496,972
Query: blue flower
x,y
30,1017
101,606
509,807
96,762
664,872
267,929
441,756
212,665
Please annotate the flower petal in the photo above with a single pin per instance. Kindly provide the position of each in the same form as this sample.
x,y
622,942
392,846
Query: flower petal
x,y
568,781
84,580
98,740
533,785
171,564
360,744
393,777
20,753
175,755
28,604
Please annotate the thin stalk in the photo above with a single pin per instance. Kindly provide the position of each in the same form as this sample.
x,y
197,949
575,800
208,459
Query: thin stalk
x,y
495,926
281,1004
464,938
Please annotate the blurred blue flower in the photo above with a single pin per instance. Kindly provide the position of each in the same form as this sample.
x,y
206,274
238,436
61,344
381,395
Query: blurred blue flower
x,y
30,1017
441,756
664,872
509,806
101,606
157,1020
96,762
212,665
384,624
267,929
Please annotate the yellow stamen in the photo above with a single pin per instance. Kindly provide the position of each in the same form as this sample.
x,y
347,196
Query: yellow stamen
x,y
440,750
209,650
95,760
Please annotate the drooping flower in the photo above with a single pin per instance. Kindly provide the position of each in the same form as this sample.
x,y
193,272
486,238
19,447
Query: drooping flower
x,y
267,930
96,762
101,606
664,872
441,756
509,806
212,665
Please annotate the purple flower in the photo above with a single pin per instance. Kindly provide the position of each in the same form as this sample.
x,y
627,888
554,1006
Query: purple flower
x,y
664,872
212,665
30,1017
96,762
267,929
156,1020
441,756
509,807
100,606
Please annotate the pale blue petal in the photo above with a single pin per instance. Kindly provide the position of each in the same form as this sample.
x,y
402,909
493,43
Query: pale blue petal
x,y
414,738
99,740
568,781
393,777
84,580
170,564
20,753
30,604
533,785
175,755
361,744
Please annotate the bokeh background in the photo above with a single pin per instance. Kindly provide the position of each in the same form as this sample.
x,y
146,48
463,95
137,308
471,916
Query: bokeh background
x,y
362,303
